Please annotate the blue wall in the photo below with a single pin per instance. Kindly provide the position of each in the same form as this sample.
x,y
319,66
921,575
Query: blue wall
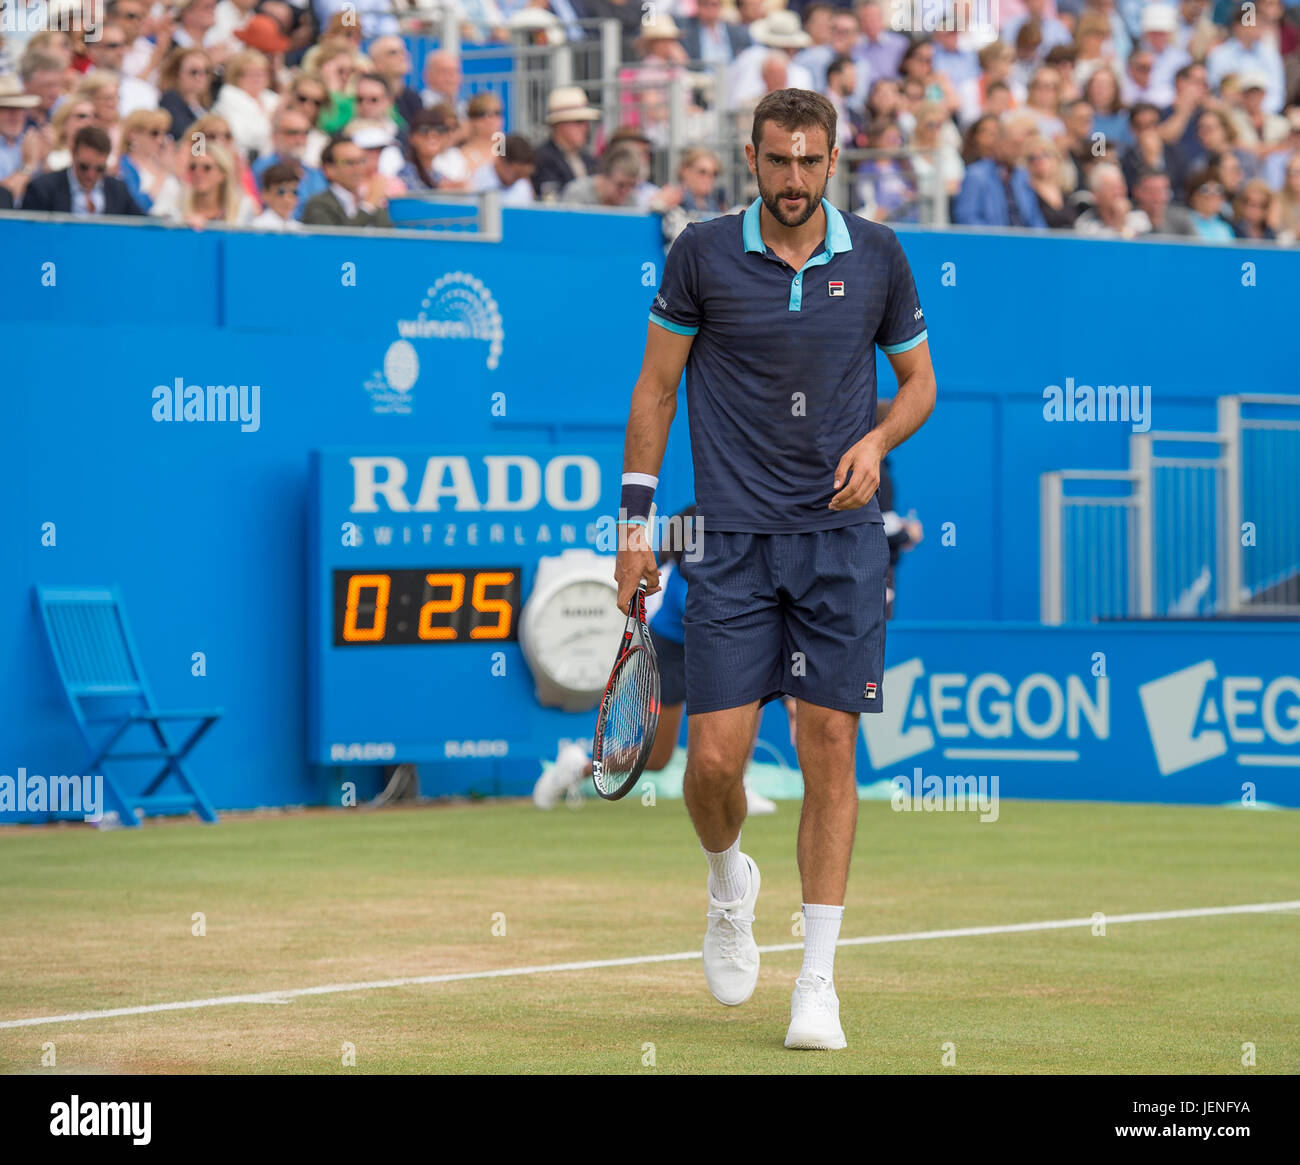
x,y
203,525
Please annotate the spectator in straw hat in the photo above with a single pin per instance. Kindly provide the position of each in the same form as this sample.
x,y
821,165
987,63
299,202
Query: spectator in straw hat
x,y
564,156
644,94
19,151
780,32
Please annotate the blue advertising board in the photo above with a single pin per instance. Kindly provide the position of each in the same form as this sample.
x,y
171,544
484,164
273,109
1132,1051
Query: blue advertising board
x,y
1170,711
377,343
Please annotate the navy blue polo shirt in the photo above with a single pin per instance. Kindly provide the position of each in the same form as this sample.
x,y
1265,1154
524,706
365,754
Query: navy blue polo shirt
x,y
781,377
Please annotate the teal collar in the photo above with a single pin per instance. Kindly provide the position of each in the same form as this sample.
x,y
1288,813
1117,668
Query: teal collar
x,y
837,234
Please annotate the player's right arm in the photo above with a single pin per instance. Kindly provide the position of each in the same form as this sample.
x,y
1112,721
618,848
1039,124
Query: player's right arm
x,y
654,404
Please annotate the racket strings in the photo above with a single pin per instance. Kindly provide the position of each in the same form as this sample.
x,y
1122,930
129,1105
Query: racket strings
x,y
629,721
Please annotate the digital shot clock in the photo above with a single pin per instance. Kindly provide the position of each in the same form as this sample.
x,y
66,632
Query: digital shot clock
x,y
422,560
386,605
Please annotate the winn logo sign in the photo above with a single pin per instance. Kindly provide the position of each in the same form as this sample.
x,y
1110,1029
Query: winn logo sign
x,y
459,306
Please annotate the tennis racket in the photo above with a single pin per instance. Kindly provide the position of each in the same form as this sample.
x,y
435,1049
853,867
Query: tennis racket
x,y
629,709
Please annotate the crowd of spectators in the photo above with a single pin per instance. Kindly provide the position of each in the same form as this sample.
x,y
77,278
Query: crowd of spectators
x,y
1110,118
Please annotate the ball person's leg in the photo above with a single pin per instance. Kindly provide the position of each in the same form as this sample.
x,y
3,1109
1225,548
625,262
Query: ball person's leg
x,y
670,723
826,744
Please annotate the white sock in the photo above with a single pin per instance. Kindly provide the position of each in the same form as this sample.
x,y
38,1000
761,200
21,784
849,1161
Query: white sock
x,y
821,931
728,874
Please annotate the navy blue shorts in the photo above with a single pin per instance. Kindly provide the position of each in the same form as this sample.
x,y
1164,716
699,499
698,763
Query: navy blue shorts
x,y
672,669
787,614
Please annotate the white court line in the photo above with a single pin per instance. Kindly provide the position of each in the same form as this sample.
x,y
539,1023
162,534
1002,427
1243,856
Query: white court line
x,y
637,960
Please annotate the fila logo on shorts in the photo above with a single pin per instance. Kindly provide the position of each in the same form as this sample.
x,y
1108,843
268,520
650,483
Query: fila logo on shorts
x,y
869,692
835,287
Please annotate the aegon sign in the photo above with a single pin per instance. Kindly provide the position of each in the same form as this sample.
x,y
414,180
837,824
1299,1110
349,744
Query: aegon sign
x,y
982,711
503,483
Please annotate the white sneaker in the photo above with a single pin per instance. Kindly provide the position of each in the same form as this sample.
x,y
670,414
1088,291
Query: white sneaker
x,y
756,805
730,952
570,768
546,794
815,1016
565,775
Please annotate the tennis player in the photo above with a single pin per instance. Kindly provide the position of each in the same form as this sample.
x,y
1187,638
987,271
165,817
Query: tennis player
x,y
775,316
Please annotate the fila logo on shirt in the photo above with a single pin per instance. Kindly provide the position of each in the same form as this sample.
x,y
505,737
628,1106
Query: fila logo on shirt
x,y
869,692
835,287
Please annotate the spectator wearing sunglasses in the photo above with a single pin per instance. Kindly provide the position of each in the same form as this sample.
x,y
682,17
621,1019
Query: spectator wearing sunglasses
x,y
289,136
281,197
1051,180
1205,203
698,176
145,165
344,204
107,54
1255,211
486,123
215,130
85,187
432,131
186,81
309,96
212,194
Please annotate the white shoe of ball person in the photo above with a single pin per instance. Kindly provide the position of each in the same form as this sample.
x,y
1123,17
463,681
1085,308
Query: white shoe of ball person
x,y
756,805
567,773
730,952
815,1016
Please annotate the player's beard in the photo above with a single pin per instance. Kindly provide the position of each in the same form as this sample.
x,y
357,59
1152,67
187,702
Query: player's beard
x,y
771,197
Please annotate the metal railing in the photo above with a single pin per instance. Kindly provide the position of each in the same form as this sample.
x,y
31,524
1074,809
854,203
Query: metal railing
x,y
1090,550
859,178
1199,524
1262,502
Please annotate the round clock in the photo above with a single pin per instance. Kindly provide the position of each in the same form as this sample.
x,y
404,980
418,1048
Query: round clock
x,y
570,629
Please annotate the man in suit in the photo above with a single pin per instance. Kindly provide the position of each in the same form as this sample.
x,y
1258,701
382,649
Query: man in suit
x,y
996,191
344,163
563,158
707,37
85,187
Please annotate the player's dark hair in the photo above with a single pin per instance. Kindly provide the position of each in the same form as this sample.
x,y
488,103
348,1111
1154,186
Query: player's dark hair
x,y
795,109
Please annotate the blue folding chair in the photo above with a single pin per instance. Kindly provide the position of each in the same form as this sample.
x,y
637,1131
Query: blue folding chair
x,y
98,667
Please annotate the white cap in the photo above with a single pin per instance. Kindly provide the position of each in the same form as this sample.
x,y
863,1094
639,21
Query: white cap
x,y
1159,18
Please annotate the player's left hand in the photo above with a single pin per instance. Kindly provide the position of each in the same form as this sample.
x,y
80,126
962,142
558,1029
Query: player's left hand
x,y
859,473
